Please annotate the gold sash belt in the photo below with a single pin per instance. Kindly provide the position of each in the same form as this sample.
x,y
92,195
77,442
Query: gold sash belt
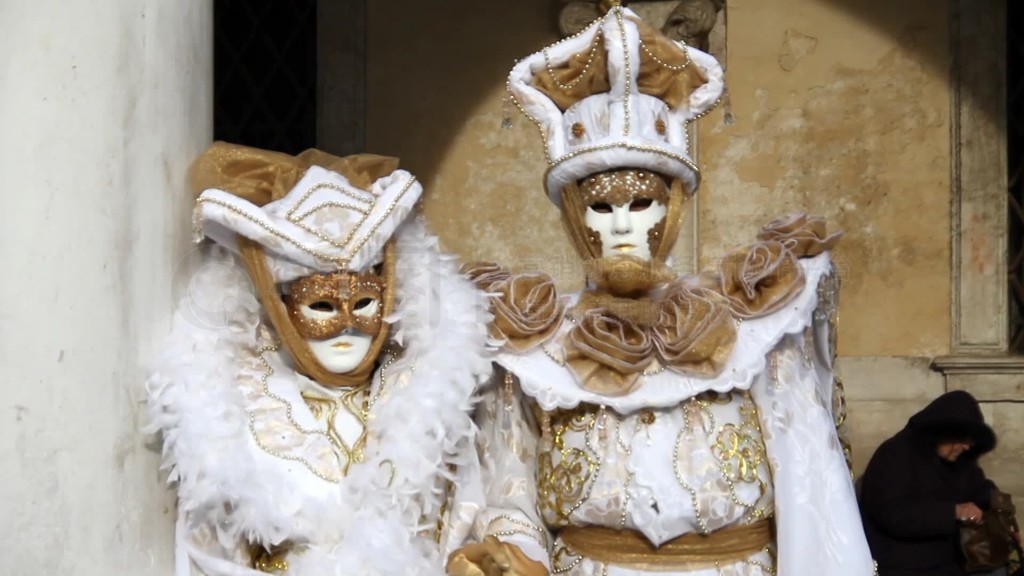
x,y
687,552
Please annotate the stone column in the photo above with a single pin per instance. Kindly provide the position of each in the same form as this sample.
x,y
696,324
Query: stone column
x,y
103,106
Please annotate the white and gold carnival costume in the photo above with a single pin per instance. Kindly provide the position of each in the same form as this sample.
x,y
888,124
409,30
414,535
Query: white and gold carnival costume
x,y
340,473
654,423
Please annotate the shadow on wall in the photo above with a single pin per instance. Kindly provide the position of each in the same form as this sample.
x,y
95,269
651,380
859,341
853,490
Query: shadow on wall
x,y
453,53
447,72
876,13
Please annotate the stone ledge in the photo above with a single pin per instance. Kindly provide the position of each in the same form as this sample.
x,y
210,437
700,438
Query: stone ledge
x,y
873,378
979,364
987,378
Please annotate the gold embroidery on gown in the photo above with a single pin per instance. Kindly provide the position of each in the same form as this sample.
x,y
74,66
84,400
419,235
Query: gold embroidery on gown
x,y
564,472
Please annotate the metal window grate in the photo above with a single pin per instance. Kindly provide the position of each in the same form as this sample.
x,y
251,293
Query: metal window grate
x,y
264,68
1015,177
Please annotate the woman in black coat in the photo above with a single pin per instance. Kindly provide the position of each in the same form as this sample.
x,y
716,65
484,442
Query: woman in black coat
x,y
922,483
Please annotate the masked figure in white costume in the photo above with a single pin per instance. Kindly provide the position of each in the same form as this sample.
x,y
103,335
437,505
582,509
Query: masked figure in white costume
x,y
313,432
655,423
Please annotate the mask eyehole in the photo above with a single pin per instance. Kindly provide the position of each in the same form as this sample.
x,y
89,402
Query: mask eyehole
x,y
322,306
640,204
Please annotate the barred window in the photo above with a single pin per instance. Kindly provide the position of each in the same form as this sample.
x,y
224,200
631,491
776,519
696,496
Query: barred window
x,y
265,73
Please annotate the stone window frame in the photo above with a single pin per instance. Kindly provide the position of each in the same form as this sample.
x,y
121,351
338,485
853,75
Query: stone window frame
x,y
980,360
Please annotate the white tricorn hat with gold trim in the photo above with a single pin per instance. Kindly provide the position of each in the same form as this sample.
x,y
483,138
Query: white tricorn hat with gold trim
x,y
323,223
619,94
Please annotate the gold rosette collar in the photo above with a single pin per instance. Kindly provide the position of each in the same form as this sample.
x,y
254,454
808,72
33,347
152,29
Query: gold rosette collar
x,y
760,279
484,274
607,354
803,235
527,310
695,332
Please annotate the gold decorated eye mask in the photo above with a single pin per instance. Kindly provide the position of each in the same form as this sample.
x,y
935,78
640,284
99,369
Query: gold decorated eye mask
x,y
322,306
623,187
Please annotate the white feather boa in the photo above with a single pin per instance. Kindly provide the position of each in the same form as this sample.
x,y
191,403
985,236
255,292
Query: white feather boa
x,y
369,523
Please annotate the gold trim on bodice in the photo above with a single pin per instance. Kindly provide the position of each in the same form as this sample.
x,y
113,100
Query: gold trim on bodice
x,y
324,409
276,426
565,472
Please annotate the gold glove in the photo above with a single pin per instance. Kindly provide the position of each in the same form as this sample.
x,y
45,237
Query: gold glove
x,y
492,557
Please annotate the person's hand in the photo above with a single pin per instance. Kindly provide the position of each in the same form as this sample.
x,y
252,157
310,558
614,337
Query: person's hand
x,y
493,557
969,512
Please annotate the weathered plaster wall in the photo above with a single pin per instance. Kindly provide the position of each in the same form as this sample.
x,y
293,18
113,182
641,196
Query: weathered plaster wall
x,y
848,117
436,80
832,112
103,106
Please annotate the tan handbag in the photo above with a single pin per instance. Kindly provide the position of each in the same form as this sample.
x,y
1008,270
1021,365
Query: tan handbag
x,y
987,546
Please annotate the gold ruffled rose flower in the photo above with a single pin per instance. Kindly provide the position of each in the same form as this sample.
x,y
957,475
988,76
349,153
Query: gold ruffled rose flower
x,y
607,354
695,332
803,235
526,308
760,279
484,274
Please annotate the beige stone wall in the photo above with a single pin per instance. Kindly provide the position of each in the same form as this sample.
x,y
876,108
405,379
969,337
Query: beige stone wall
x,y
842,118
436,82
833,112
841,108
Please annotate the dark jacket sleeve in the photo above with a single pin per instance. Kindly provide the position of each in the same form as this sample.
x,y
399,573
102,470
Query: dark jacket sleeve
x,y
892,503
978,488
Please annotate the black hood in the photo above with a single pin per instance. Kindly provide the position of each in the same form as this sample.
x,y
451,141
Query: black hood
x,y
955,414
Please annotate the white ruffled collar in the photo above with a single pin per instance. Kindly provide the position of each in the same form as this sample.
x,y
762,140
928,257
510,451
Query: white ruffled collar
x,y
545,379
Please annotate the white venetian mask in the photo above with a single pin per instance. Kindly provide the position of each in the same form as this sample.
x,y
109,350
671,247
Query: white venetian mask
x,y
623,209
342,353
338,315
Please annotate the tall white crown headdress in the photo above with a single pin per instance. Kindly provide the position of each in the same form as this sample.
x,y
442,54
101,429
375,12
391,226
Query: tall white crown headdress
x,y
618,94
